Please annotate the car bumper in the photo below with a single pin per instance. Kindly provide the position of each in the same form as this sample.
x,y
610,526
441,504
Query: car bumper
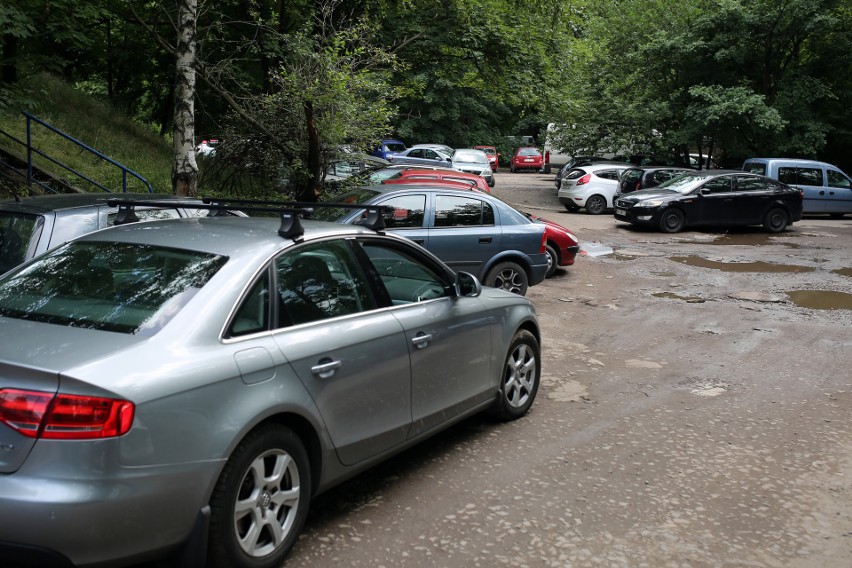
x,y
638,216
133,515
569,254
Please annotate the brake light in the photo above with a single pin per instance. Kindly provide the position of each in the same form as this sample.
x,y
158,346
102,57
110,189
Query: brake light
x,y
543,248
585,179
37,414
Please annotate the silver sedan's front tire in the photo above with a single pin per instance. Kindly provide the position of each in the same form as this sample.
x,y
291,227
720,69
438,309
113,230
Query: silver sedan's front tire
x,y
261,500
520,378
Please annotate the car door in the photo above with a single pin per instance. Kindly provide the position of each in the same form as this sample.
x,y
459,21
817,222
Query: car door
x,y
839,198
351,357
406,216
464,232
810,180
449,337
717,201
753,197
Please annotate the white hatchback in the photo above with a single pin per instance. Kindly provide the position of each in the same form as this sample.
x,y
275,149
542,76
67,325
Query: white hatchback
x,y
590,187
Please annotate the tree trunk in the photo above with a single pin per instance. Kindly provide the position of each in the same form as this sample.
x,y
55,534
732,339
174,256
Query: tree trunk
x,y
10,59
311,190
185,169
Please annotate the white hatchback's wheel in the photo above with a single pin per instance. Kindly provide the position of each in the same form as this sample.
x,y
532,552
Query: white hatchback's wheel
x,y
520,379
261,501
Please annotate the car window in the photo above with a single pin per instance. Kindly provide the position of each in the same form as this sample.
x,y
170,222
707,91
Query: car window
x,y
757,168
661,176
406,278
751,183
253,314
607,174
416,153
319,281
120,287
457,211
405,211
395,147
717,185
528,152
17,234
800,176
575,174
837,179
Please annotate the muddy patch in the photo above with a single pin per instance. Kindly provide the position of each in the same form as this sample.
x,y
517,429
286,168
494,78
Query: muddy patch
x,y
757,239
843,272
673,296
821,299
569,391
642,364
757,266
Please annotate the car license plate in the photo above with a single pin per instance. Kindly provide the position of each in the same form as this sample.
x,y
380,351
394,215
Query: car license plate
x,y
621,212
528,159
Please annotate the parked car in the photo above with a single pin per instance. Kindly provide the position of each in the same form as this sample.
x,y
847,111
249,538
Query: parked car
x,y
207,148
562,244
827,188
29,226
465,185
349,164
442,148
577,162
199,382
474,162
713,197
423,175
388,148
527,158
590,187
471,232
423,156
493,156
638,177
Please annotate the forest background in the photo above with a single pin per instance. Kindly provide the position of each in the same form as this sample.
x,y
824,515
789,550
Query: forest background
x,y
284,84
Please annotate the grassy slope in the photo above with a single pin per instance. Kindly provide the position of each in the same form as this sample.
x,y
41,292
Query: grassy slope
x,y
96,124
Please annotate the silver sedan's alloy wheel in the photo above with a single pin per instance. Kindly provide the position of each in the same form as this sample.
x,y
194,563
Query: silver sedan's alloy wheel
x,y
266,505
261,500
520,378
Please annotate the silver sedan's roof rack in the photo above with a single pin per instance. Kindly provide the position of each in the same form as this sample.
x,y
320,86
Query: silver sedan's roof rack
x,y
291,212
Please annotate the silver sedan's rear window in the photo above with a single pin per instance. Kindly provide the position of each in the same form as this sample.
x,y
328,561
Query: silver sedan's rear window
x,y
120,287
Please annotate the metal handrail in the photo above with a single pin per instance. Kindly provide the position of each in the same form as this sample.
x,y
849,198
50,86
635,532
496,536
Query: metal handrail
x,y
30,150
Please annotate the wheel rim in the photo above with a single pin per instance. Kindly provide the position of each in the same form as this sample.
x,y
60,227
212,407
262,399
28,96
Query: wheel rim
x,y
266,504
776,220
595,205
519,378
671,221
510,280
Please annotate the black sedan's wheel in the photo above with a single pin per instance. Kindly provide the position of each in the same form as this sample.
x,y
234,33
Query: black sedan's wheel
x,y
520,379
261,501
776,220
508,276
552,260
672,221
595,205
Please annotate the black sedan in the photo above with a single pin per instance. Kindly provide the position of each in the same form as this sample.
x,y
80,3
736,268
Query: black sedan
x,y
720,198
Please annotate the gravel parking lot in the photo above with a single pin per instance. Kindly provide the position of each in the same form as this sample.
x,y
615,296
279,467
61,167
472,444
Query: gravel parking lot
x,y
694,411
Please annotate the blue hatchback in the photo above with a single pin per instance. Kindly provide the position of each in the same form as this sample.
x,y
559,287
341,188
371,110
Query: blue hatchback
x,y
388,148
470,232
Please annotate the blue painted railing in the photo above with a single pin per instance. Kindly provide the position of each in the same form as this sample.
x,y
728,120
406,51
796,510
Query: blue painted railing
x,y
125,171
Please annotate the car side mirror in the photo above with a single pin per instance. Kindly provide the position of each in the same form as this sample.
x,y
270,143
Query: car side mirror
x,y
468,285
704,191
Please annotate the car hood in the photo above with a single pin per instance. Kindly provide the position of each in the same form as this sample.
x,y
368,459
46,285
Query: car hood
x,y
654,192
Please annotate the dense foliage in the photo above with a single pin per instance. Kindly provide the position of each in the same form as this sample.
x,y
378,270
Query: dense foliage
x,y
287,84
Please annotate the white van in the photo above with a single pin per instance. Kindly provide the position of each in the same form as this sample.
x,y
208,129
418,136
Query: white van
x,y
827,189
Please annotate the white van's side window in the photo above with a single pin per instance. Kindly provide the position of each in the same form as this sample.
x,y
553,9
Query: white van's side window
x,y
837,179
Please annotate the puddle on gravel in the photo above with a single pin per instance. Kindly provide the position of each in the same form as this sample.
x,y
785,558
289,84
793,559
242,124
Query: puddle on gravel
x,y
758,266
843,272
673,296
756,239
821,299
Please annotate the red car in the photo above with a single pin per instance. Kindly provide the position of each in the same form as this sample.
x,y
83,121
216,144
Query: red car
x,y
493,155
527,158
562,244
445,183
421,175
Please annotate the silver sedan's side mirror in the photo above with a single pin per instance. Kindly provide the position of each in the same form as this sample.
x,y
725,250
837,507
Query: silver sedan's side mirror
x,y
468,285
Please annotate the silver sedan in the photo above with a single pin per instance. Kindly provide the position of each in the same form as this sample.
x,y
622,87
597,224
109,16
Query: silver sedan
x,y
173,383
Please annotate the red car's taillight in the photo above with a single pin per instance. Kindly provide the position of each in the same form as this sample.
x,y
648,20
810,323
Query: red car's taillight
x,y
585,179
37,414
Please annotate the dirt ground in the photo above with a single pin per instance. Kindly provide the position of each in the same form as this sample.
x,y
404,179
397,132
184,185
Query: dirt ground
x,y
692,414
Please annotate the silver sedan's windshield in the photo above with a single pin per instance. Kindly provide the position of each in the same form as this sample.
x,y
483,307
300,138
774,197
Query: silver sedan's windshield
x,y
121,287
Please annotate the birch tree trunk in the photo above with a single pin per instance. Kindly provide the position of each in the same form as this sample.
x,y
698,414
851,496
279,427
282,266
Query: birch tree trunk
x,y
185,168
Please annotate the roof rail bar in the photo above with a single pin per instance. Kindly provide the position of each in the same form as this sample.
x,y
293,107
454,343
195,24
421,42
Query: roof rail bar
x,y
291,212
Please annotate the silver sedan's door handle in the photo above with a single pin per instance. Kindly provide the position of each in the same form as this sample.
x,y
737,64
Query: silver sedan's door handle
x,y
325,368
421,340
